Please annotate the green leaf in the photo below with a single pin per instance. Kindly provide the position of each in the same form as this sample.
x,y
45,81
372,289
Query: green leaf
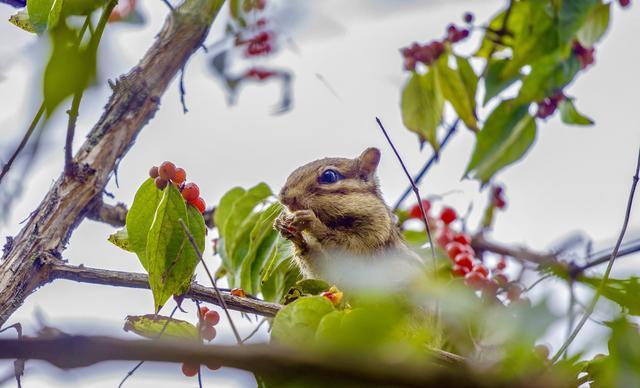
x,y
39,13
535,36
457,89
282,278
296,323
224,208
573,14
493,43
469,78
70,69
21,19
548,75
170,255
121,240
151,325
422,107
624,292
494,84
54,14
595,25
261,243
507,134
140,217
570,115
282,252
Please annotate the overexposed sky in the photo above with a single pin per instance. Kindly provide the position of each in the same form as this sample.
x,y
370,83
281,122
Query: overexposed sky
x,y
574,178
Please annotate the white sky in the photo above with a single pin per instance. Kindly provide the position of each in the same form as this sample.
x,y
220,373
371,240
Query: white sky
x,y
573,179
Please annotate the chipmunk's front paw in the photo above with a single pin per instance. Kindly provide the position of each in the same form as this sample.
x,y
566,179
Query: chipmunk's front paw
x,y
303,219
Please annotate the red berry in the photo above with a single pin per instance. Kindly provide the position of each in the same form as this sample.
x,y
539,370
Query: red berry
x,y
444,237
212,317
167,170
481,268
179,176
453,249
213,366
624,3
458,270
475,280
464,259
415,210
208,332
502,264
468,17
153,172
161,183
200,205
203,311
513,292
448,215
462,238
501,279
190,370
190,192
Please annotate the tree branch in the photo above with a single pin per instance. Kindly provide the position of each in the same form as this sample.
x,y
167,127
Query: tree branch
x,y
56,269
480,244
135,99
264,359
116,215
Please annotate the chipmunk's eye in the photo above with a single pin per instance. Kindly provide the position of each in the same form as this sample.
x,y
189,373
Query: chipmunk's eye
x,y
329,176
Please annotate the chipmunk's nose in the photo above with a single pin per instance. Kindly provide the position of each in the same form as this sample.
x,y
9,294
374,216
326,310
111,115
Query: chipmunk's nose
x,y
289,199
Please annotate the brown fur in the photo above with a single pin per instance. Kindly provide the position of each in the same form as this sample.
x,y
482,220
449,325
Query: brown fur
x,y
347,217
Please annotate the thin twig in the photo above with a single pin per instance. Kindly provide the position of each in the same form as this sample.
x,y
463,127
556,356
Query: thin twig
x,y
632,247
418,177
570,315
605,277
71,129
257,328
183,92
139,364
538,281
417,193
23,142
213,281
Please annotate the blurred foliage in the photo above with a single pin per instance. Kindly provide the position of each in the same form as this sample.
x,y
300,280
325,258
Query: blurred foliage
x,y
153,326
537,46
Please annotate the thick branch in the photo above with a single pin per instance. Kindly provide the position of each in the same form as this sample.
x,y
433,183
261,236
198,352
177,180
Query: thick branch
x,y
480,244
270,360
55,269
116,215
134,101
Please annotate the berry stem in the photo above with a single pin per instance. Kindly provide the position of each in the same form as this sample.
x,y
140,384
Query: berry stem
x,y
213,282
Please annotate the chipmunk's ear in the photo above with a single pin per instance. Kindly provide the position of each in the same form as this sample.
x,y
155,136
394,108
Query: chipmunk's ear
x,y
369,160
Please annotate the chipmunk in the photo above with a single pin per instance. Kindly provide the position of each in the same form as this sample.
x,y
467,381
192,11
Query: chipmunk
x,y
335,208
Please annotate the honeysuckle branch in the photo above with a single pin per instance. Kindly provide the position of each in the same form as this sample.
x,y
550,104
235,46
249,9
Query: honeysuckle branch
x,y
135,99
56,269
263,359
116,215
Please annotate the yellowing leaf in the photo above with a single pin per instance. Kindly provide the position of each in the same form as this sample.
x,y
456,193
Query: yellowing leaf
x,y
459,90
21,19
151,325
422,106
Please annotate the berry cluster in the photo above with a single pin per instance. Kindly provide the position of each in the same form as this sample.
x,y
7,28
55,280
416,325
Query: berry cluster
x,y
167,172
261,42
584,55
548,106
259,74
497,197
430,52
207,319
457,245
